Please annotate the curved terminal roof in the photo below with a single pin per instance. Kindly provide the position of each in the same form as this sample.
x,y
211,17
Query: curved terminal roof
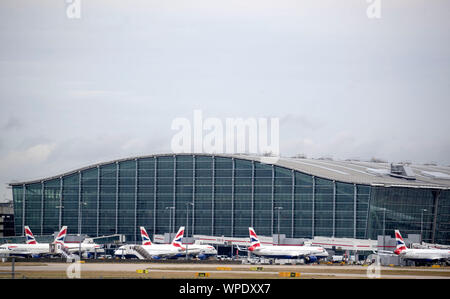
x,y
348,171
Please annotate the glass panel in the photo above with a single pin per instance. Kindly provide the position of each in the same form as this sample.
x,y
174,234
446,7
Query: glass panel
x,y
442,235
283,199
242,197
51,206
165,195
145,200
404,208
33,207
263,199
126,205
344,210
107,199
18,209
203,195
70,203
362,205
323,208
223,195
303,205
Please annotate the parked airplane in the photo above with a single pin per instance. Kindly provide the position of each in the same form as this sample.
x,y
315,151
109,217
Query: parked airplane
x,y
85,247
419,255
154,251
309,253
32,247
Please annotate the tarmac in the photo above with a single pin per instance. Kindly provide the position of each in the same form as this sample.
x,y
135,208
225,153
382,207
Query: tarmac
x,y
324,271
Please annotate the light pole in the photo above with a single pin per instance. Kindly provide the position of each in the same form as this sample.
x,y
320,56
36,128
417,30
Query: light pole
x,y
278,223
421,224
187,224
170,221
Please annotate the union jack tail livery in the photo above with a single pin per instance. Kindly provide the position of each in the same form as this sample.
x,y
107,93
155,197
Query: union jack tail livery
x,y
29,236
145,237
254,241
400,243
61,236
178,238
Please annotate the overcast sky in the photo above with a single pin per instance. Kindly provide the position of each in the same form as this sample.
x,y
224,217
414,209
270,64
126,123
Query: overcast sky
x,y
109,84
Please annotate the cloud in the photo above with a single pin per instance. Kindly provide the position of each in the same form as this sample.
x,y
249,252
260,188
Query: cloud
x,y
34,155
12,123
18,164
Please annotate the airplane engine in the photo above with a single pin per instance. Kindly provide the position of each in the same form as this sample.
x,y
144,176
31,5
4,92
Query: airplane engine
x,y
155,257
35,256
87,255
311,259
202,256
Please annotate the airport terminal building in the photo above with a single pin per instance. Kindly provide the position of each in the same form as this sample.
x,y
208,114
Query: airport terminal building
x,y
222,195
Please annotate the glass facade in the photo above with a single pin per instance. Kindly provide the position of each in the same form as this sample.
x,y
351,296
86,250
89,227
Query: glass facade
x,y
216,195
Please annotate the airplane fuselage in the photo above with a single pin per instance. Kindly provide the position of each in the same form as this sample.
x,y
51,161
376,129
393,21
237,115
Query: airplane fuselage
x,y
425,254
196,249
162,249
289,251
155,250
25,249
85,247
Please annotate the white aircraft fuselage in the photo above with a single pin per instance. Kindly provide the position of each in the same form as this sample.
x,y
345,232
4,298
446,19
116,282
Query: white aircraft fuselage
x,y
289,251
25,249
425,254
197,249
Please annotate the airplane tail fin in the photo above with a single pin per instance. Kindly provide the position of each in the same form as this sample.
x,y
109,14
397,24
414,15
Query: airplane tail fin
x,y
177,241
29,236
145,237
254,240
61,236
401,246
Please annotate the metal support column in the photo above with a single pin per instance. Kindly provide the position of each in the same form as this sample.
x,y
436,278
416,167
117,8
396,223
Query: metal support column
x,y
213,194
233,161
23,209
60,202
174,191
98,201
292,203
273,196
79,202
252,220
334,209
355,192
313,206
135,198
42,207
117,198
154,193
193,196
